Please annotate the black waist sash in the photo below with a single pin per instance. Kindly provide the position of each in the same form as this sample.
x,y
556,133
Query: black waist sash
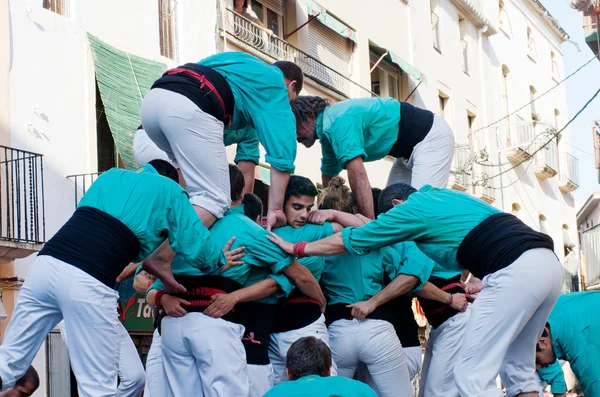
x,y
437,313
257,318
415,123
403,320
295,312
96,243
201,288
497,242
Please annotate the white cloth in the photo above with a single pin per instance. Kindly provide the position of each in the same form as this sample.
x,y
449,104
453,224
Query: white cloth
x,y
156,383
374,343
414,360
430,161
131,371
441,352
145,150
261,379
507,319
195,140
55,290
281,341
203,356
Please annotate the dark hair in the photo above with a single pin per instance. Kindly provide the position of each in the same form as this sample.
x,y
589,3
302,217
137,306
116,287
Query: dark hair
x,y
236,182
397,191
376,193
337,196
308,107
253,206
164,168
32,376
308,356
300,186
292,72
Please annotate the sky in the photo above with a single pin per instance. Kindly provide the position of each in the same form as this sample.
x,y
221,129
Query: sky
x,y
580,88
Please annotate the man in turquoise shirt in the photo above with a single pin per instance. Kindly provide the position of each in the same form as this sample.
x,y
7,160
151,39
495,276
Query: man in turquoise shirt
x,y
124,216
572,335
230,90
360,130
460,232
308,369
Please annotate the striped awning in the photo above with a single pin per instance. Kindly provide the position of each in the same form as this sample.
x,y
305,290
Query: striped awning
x,y
329,20
401,63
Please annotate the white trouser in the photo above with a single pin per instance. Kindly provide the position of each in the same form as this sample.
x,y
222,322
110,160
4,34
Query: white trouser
x,y
145,150
281,341
203,356
507,319
414,360
195,140
156,384
443,346
55,290
261,379
374,343
430,161
131,371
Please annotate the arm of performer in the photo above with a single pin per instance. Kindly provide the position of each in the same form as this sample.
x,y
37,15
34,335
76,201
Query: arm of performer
x,y
340,218
455,301
279,182
247,168
221,304
247,155
306,282
553,375
399,286
359,183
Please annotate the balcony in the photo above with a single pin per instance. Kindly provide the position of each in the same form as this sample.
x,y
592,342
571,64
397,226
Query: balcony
x,y
260,42
545,163
568,176
460,177
22,212
483,186
516,140
82,183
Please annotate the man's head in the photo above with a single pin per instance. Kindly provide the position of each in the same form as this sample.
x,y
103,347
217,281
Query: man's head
x,y
299,200
544,351
376,193
25,386
308,356
236,183
306,109
292,76
253,207
165,169
393,195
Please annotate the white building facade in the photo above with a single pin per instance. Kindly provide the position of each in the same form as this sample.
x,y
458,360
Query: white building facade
x,y
474,62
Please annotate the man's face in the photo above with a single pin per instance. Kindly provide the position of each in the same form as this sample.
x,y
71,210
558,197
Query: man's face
x,y
544,355
306,133
297,209
20,391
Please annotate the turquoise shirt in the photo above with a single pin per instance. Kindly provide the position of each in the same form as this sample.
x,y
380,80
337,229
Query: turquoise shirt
x,y
553,375
350,279
366,127
246,140
437,220
415,263
575,330
316,386
152,206
308,232
261,101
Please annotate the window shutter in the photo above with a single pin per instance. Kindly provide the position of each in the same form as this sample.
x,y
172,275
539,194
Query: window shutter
x,y
329,47
274,5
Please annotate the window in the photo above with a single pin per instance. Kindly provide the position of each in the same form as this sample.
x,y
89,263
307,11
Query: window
x,y
543,224
554,63
470,126
166,24
504,22
269,15
534,114
331,49
445,107
57,6
531,48
443,104
435,24
464,43
516,208
386,79
556,119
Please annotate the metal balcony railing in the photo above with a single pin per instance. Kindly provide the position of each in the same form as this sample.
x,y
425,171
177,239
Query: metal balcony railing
x,y
568,175
590,249
257,40
460,174
82,183
546,159
22,212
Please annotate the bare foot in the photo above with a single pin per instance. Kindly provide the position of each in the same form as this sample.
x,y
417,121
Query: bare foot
x,y
165,275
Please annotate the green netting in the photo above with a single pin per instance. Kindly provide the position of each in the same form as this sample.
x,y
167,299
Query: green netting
x,y
123,80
